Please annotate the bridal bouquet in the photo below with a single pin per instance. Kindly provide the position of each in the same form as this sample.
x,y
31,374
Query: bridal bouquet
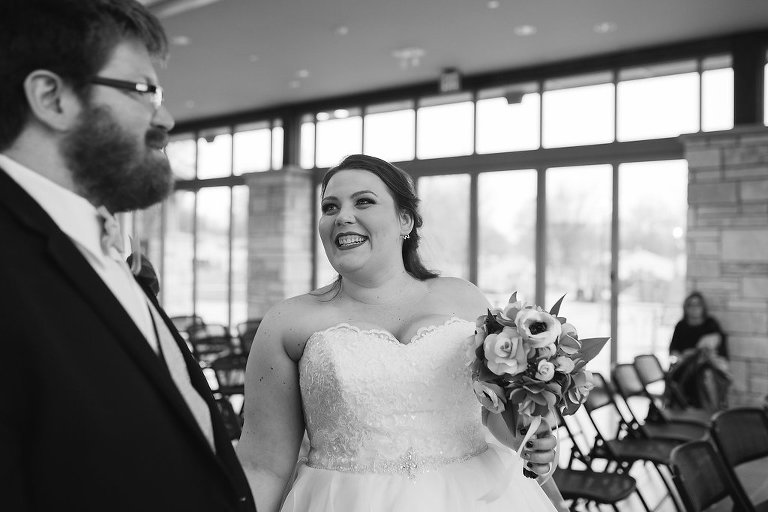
x,y
529,363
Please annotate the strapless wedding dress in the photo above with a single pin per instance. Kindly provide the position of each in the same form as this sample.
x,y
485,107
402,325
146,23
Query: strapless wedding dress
x,y
397,427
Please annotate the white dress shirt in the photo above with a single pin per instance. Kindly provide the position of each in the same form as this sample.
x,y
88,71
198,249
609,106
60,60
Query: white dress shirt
x,y
78,218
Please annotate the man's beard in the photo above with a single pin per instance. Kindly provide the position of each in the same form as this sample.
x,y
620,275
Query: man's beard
x,y
110,168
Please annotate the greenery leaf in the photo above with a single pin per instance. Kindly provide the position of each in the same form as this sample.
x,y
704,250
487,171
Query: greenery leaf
x,y
556,308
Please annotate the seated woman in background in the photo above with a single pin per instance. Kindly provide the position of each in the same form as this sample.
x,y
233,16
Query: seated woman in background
x,y
699,371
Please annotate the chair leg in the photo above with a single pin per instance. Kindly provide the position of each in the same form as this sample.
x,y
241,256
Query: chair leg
x,y
642,500
670,490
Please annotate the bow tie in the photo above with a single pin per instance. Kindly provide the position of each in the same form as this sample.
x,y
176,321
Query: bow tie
x,y
110,234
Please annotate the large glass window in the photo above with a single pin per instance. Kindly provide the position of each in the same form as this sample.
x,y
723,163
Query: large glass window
x,y
578,249
307,146
212,254
390,131
214,154
508,119
179,252
251,148
507,234
658,101
717,94
181,152
578,110
445,126
240,197
277,145
338,134
445,234
652,225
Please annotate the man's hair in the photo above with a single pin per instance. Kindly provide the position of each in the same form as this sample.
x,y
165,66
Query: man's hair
x,y
72,38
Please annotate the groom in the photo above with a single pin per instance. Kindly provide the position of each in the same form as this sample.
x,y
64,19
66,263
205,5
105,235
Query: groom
x,y
102,408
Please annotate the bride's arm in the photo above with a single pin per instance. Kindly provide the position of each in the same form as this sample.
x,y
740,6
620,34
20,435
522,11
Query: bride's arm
x,y
274,422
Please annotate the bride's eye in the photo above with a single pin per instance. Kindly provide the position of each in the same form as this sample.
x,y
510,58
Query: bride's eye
x,y
365,201
328,208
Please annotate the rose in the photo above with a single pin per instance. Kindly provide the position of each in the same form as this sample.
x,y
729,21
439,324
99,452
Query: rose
x,y
537,328
505,352
513,308
547,352
489,396
581,385
545,370
570,330
564,364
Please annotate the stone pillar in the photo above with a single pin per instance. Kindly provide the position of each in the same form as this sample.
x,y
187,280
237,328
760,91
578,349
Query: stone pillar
x,y
728,245
280,237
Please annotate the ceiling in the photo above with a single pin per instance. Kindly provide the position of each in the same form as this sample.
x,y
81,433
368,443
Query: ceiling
x,y
231,56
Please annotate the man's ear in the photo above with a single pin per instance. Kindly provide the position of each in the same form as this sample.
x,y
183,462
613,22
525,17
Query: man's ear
x,y
51,101
406,222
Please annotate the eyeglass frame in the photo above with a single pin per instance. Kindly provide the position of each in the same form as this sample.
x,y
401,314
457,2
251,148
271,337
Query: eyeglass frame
x,y
154,92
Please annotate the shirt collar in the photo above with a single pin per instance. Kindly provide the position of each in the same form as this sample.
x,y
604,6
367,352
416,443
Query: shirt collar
x,y
74,215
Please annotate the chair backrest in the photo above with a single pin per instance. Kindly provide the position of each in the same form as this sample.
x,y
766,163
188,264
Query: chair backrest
x,y
701,478
208,330
207,348
185,323
627,381
601,394
230,417
230,369
246,331
649,369
741,434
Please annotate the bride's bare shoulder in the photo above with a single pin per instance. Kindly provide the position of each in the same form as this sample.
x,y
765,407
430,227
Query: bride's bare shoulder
x,y
463,297
292,321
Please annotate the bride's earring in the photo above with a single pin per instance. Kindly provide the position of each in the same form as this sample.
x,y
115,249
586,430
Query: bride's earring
x,y
406,237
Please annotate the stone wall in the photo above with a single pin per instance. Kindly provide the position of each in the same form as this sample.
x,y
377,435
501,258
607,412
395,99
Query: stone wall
x,y
280,237
727,244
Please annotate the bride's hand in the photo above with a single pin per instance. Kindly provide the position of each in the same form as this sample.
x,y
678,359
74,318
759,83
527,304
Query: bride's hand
x,y
539,451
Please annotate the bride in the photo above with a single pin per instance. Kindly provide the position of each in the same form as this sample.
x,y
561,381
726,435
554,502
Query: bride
x,y
373,367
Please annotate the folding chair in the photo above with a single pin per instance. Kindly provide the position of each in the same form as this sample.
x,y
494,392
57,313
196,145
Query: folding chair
x,y
702,480
590,486
628,445
245,332
650,372
741,436
631,389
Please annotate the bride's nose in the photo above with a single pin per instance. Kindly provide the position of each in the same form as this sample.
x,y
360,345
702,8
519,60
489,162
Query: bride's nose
x,y
345,216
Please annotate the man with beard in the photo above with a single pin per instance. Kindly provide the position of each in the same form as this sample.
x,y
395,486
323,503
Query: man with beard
x,y
102,407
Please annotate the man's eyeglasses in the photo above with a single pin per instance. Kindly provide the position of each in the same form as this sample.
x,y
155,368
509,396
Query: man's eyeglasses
x,y
153,92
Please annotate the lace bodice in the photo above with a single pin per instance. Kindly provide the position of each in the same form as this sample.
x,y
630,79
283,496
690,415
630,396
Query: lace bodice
x,y
372,404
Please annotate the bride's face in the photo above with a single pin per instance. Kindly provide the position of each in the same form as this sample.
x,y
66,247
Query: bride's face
x,y
359,224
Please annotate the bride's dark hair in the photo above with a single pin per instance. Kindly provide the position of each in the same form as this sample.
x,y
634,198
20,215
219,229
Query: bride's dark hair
x,y
400,185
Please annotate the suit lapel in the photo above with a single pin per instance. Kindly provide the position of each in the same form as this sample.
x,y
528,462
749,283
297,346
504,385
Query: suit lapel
x,y
83,278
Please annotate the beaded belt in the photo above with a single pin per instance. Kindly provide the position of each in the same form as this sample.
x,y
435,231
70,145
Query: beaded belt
x,y
409,464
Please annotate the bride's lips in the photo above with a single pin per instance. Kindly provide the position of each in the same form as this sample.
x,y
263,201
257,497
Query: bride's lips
x,y
349,240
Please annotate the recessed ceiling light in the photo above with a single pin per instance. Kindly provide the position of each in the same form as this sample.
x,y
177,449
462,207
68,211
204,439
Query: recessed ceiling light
x,y
341,30
302,73
605,27
189,104
323,116
493,4
253,57
341,113
295,84
409,57
180,41
524,30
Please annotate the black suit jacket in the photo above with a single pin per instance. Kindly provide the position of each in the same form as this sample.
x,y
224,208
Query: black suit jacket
x,y
90,419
